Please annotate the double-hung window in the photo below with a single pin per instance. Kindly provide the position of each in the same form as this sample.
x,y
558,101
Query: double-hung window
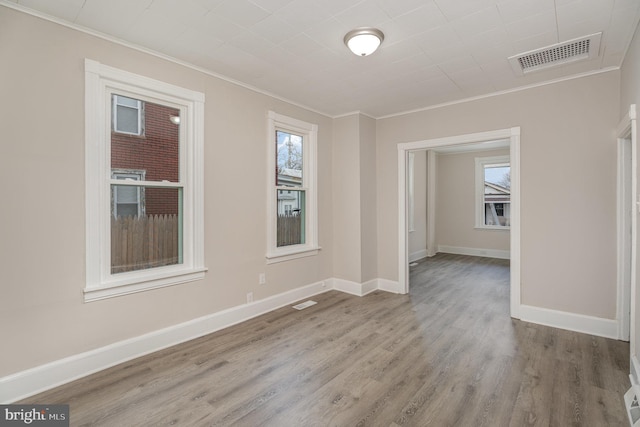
x,y
493,193
292,210
144,183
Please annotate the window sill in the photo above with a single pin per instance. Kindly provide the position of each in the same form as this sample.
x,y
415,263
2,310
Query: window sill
x,y
281,256
116,290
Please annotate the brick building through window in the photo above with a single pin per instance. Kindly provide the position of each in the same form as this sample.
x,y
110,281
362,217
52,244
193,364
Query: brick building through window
x,y
153,155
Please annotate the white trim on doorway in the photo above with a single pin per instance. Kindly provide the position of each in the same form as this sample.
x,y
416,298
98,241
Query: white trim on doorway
x,y
627,214
511,139
626,222
432,248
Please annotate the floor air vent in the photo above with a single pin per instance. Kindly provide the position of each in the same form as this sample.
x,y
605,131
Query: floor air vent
x,y
304,305
557,54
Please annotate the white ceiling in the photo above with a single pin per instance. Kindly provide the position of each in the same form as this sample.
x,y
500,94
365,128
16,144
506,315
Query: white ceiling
x,y
434,52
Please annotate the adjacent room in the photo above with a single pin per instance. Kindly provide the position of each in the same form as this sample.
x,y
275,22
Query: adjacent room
x,y
292,212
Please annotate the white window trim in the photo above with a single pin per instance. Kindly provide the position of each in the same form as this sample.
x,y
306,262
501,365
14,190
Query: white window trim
x,y
481,162
100,82
309,132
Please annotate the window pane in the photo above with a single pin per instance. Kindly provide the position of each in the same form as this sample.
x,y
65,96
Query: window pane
x,y
498,175
126,194
126,201
497,194
157,152
127,120
127,114
289,159
498,214
291,217
149,240
129,102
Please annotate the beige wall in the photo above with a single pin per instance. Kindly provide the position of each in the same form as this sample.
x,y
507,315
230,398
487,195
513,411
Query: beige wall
x,y
567,185
42,246
455,203
630,76
347,251
354,198
368,186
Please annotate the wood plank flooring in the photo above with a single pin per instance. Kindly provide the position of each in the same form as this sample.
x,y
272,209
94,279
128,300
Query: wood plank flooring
x,y
448,354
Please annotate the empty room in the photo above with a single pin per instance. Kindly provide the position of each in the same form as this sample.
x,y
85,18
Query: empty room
x,y
319,213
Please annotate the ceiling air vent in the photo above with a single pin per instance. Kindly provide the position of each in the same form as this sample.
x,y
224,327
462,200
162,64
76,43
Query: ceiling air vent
x,y
557,54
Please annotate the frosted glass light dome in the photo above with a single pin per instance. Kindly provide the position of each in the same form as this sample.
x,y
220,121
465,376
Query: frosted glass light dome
x,y
363,41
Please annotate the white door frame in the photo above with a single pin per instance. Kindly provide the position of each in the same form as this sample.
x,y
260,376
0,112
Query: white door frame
x,y
626,226
627,229
513,136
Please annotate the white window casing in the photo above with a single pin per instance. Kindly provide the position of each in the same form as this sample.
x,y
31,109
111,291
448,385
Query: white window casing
x,y
279,122
101,82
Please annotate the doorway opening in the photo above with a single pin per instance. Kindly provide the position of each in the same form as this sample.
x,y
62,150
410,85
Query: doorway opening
x,y
485,140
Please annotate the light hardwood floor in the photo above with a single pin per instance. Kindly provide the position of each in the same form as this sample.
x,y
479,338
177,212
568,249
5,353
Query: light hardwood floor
x,y
448,354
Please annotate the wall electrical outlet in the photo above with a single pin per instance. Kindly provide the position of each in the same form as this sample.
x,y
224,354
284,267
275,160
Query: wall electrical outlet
x,y
262,279
249,297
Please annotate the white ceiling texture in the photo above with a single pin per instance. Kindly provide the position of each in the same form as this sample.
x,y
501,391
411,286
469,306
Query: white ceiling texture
x,y
435,51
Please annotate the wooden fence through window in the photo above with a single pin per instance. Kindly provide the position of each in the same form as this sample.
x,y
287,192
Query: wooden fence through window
x,y
289,230
143,242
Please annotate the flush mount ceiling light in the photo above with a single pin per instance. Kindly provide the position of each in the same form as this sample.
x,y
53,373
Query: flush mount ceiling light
x,y
363,41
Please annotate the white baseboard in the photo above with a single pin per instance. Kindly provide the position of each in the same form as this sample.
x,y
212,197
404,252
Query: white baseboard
x,y
36,380
390,286
488,253
347,286
598,326
415,256
362,289
370,286
354,288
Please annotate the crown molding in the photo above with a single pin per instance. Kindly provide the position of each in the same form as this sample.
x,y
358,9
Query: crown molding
x,y
502,92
